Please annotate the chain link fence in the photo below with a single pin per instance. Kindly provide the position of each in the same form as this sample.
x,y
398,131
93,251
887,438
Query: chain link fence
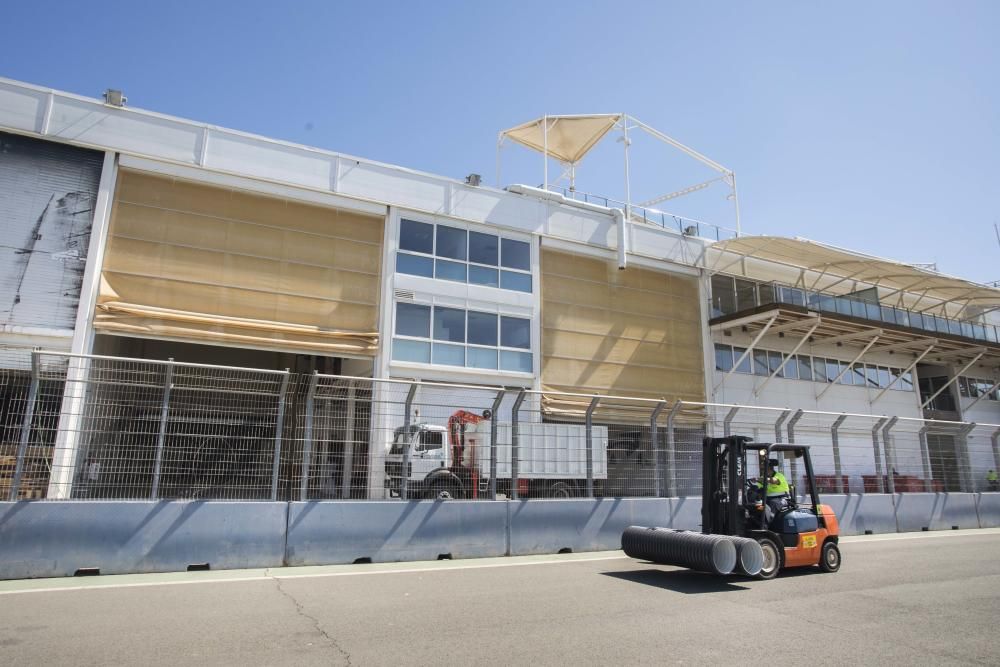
x,y
91,427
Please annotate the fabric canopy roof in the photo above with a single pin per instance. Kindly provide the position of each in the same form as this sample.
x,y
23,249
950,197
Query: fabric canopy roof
x,y
569,137
830,266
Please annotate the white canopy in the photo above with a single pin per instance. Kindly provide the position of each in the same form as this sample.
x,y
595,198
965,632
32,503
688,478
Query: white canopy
x,y
569,137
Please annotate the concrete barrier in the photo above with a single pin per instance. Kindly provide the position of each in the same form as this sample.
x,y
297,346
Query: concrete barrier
x,y
327,532
873,512
916,511
956,509
685,513
988,509
551,526
53,539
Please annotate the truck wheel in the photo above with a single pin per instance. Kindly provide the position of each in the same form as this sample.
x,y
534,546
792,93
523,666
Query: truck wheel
x,y
829,557
562,490
772,558
444,489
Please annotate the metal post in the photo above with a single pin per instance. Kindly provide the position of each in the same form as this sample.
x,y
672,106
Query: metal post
x,y
995,439
495,410
671,450
307,437
161,437
590,446
890,454
793,466
778,424
348,474
925,457
29,415
515,443
729,420
654,443
404,484
278,432
965,465
838,469
878,454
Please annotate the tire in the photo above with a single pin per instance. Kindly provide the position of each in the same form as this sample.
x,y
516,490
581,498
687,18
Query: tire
x,y
772,558
829,557
561,490
443,490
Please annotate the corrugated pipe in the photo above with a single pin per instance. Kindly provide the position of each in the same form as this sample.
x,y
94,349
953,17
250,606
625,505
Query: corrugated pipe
x,y
715,554
749,556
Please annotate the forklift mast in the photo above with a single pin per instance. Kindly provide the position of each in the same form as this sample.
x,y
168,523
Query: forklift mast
x,y
723,485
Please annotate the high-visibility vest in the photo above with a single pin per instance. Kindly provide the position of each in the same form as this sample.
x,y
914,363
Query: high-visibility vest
x,y
991,476
779,487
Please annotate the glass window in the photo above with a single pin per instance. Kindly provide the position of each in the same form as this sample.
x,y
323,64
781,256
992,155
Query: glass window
x,y
480,275
431,440
954,328
884,377
479,357
791,369
723,295
413,320
902,317
515,332
894,378
411,350
871,374
745,365
520,282
819,369
765,293
873,312
416,236
832,369
847,377
805,367
449,355
515,361
858,309
515,254
723,357
963,386
843,305
973,387
446,270
451,242
760,363
774,360
858,375
482,328
449,325
414,265
746,294
484,248
906,381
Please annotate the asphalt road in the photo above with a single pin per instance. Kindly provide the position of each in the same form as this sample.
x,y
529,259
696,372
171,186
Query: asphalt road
x,y
908,599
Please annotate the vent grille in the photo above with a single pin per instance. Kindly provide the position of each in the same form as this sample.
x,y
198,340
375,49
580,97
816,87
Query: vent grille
x,y
404,295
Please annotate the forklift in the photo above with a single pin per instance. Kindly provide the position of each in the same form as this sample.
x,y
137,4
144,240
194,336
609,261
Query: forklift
x,y
790,535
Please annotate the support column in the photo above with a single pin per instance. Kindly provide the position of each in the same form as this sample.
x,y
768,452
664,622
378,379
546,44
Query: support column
x,y
727,422
590,445
925,458
890,454
879,484
495,411
404,474
838,469
515,444
793,465
671,450
655,445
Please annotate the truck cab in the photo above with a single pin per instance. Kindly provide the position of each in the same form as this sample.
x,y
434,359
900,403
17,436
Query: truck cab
x,y
429,451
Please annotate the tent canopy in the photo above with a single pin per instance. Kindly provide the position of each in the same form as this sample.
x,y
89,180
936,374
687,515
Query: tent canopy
x,y
569,137
828,267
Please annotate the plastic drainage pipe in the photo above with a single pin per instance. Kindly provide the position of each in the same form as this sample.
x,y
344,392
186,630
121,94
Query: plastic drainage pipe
x,y
749,556
708,553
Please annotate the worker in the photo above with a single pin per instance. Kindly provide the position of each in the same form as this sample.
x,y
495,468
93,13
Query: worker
x,y
778,491
992,481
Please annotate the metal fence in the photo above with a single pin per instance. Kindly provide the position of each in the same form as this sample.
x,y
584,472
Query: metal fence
x,y
75,426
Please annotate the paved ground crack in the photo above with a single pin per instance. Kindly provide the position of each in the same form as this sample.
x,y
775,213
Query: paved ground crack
x,y
300,610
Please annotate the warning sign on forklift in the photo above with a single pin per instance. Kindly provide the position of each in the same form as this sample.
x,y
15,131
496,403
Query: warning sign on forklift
x,y
808,541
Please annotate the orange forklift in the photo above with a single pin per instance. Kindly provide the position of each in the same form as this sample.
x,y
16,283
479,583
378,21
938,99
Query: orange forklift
x,y
734,503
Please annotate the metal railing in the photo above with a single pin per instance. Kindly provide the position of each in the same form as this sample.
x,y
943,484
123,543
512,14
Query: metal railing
x,y
652,216
88,427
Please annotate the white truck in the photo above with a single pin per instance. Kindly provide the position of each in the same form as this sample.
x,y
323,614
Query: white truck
x,y
454,461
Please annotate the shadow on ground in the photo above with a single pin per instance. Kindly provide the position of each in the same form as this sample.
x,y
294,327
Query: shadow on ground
x,y
681,581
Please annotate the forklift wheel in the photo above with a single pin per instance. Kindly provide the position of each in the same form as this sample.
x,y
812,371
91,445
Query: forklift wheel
x,y
772,558
829,557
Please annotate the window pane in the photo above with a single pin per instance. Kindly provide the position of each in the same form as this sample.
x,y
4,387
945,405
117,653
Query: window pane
x,y
449,355
805,367
515,361
723,357
451,242
973,387
746,294
414,266
906,382
832,369
745,365
482,358
845,368
515,332
858,373
963,386
480,275
446,270
416,236
449,325
765,293
515,254
413,320
723,295
858,309
883,377
791,369
871,374
520,282
819,369
894,378
411,350
484,248
760,363
482,328
774,360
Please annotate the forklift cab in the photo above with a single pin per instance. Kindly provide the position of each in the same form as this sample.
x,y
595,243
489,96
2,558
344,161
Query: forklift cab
x,y
734,502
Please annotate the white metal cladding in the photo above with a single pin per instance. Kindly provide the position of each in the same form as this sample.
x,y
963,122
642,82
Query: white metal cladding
x,y
47,196
549,451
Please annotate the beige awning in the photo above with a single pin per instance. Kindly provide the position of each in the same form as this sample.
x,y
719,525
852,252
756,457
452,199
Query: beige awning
x,y
840,271
569,137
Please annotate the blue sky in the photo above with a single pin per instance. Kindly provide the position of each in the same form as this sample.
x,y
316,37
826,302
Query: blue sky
x,y
871,125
